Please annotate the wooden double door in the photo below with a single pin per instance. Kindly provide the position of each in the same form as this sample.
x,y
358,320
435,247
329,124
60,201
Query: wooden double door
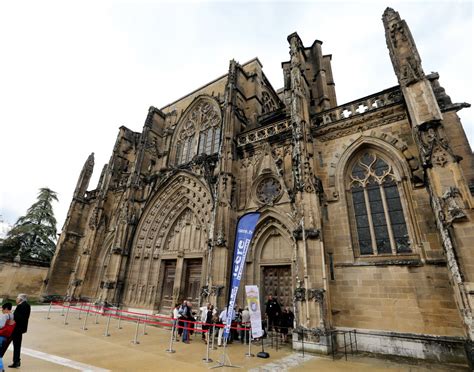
x,y
277,281
190,283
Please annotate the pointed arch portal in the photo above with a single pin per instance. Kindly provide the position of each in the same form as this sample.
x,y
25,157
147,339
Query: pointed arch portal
x,y
169,250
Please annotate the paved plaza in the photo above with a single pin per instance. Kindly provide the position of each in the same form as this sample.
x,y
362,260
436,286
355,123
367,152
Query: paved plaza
x,y
50,345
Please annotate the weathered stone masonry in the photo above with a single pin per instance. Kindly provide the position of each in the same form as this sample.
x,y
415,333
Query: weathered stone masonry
x,y
366,207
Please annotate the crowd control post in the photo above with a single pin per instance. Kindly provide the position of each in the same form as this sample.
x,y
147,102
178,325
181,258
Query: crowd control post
x,y
67,313
135,340
119,321
49,310
144,325
80,310
84,327
213,336
96,316
249,353
207,359
170,348
62,309
107,334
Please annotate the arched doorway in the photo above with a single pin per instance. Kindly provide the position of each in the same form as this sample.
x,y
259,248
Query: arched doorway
x,y
272,265
169,253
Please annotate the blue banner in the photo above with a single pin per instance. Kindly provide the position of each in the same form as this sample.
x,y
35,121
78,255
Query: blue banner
x,y
245,230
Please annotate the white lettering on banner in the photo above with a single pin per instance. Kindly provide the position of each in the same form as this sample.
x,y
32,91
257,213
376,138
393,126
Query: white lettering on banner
x,y
245,229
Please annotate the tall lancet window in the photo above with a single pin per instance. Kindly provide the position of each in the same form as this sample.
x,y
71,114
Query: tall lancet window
x,y
202,123
379,220
210,133
185,143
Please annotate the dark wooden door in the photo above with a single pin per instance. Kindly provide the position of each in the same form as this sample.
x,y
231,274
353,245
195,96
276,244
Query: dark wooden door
x,y
166,303
192,281
277,282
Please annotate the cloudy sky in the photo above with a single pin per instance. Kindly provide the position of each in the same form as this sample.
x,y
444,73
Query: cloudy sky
x,y
73,72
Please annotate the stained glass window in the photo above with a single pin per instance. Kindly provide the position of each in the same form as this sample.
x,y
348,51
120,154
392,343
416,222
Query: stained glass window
x,y
378,213
202,123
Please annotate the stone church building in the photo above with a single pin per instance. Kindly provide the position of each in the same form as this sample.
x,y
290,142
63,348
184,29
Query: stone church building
x,y
366,207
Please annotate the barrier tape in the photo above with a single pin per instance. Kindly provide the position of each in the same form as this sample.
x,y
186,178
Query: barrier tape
x,y
111,311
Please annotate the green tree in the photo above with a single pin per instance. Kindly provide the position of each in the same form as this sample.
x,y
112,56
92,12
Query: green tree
x,y
33,237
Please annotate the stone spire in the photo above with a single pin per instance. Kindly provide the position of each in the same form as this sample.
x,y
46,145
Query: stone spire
x,y
403,52
85,177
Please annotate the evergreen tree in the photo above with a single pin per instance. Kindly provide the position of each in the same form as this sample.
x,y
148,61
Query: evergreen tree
x,y
33,236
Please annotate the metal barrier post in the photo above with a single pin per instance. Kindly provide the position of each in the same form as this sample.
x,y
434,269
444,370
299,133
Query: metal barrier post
x,y
302,341
67,313
355,339
119,321
213,336
249,353
62,309
96,316
49,310
144,325
170,348
107,334
84,328
207,359
80,310
135,341
345,345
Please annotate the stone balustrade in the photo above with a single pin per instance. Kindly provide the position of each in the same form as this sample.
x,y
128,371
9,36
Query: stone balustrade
x,y
359,107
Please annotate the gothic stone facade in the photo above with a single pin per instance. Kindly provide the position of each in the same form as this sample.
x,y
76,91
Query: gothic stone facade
x,y
366,207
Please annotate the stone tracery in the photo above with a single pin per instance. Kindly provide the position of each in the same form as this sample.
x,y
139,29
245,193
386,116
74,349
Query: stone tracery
x,y
202,122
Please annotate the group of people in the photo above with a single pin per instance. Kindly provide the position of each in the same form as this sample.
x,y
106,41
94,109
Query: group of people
x,y
184,320
278,319
12,327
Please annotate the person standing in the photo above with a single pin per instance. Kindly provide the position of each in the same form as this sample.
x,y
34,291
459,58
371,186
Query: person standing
x,y
273,311
21,316
222,322
245,323
7,325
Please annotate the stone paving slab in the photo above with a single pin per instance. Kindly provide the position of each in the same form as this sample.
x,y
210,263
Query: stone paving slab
x,y
91,351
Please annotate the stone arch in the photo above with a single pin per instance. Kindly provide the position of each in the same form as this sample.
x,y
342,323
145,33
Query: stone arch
x,y
268,103
392,145
270,222
402,170
181,208
100,257
273,251
340,161
203,111
180,192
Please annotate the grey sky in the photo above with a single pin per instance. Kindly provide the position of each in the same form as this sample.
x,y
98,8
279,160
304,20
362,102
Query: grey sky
x,y
71,72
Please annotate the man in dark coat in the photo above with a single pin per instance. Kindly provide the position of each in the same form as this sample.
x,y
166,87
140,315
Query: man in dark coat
x,y
273,311
21,315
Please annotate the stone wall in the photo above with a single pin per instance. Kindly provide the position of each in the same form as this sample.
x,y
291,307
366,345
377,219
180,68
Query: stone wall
x,y
21,278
